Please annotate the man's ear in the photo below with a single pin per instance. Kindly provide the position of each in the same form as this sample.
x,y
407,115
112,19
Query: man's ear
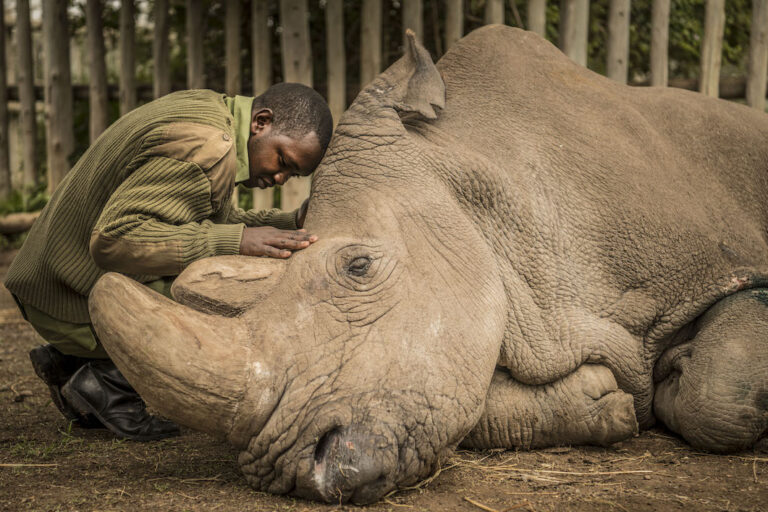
x,y
262,119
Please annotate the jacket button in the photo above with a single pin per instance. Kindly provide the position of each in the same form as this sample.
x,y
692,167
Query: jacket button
x,y
225,136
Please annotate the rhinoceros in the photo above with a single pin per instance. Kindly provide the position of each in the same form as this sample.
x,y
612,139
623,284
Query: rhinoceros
x,y
513,252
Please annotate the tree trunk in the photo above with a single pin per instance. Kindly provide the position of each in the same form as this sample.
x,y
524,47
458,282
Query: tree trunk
x,y
370,41
26,82
261,43
413,18
58,91
15,223
454,22
232,35
574,29
618,41
297,67
712,47
758,55
537,17
5,163
98,69
337,91
127,57
494,12
195,35
660,43
161,50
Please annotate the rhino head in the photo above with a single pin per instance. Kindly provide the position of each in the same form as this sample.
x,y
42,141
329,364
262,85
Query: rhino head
x,y
352,368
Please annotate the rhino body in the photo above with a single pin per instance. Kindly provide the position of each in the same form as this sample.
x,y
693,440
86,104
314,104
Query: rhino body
x,y
514,252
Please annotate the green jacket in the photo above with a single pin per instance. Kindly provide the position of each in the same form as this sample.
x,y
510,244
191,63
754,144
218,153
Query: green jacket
x,y
150,196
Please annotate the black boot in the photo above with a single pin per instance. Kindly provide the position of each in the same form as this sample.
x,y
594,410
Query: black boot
x,y
100,389
55,369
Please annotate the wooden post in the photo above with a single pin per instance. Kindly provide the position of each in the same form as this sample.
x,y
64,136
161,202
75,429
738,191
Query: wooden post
x,y
297,67
758,55
5,161
334,40
98,69
161,51
537,17
195,35
494,12
370,41
618,41
232,35
660,43
26,82
262,76
454,22
58,91
127,57
413,15
574,29
712,48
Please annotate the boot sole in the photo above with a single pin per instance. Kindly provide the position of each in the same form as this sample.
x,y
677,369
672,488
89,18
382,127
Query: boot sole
x,y
82,405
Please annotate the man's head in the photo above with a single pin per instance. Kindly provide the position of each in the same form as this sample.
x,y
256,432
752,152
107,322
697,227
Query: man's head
x,y
291,126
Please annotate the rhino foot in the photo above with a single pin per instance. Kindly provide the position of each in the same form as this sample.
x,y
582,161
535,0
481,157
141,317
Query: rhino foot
x,y
585,407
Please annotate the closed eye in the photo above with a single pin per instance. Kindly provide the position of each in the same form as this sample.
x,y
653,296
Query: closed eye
x,y
359,266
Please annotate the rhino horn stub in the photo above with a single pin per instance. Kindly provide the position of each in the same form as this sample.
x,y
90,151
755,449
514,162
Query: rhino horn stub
x,y
412,84
227,285
190,366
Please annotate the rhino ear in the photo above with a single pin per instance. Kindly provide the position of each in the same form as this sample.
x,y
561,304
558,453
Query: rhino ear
x,y
412,84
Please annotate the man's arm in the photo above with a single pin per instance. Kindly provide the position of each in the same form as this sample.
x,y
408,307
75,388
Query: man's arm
x,y
156,222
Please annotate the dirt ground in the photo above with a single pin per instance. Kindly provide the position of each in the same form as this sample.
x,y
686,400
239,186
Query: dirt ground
x,y
46,465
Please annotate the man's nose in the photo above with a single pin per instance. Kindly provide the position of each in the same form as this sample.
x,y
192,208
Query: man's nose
x,y
281,177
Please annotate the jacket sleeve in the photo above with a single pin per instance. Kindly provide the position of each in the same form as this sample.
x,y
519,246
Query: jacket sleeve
x,y
254,218
157,221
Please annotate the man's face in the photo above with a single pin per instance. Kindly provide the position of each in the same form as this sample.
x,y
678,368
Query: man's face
x,y
275,157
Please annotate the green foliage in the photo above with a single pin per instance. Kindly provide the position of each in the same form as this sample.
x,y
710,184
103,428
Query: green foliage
x,y
29,200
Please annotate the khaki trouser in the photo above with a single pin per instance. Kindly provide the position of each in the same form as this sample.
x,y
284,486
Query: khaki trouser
x,y
76,339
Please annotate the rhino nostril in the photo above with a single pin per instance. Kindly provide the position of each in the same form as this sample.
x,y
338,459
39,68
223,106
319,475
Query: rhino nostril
x,y
353,465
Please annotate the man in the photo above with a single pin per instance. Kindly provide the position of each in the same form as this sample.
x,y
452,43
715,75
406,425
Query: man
x,y
149,197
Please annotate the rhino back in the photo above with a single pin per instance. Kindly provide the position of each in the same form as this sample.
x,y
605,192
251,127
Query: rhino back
x,y
642,205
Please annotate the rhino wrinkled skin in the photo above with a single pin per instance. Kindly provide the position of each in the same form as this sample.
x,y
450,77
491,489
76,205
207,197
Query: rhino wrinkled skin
x,y
513,252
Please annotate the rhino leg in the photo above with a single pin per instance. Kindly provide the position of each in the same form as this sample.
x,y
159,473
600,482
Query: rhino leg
x,y
585,407
713,389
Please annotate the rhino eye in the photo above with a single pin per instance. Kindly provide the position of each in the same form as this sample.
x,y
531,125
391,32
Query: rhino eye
x,y
359,266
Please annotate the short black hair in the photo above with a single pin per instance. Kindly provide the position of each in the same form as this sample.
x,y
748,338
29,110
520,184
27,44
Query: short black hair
x,y
297,110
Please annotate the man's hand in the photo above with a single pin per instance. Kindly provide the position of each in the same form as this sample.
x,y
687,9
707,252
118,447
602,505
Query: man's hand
x,y
273,242
301,215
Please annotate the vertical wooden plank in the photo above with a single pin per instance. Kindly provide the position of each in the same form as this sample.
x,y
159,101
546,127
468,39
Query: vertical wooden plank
x,y
370,41
58,91
413,16
127,56
297,67
161,50
758,55
537,17
618,40
335,57
712,48
5,161
574,29
232,58
195,35
98,69
454,22
26,82
261,54
494,12
660,43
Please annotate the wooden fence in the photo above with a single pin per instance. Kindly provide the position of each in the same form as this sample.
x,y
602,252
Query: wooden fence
x,y
57,91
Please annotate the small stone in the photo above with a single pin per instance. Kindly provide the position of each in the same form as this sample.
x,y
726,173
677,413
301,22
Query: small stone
x,y
646,477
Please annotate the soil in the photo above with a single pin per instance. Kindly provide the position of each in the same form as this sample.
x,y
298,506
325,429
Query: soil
x,y
47,465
